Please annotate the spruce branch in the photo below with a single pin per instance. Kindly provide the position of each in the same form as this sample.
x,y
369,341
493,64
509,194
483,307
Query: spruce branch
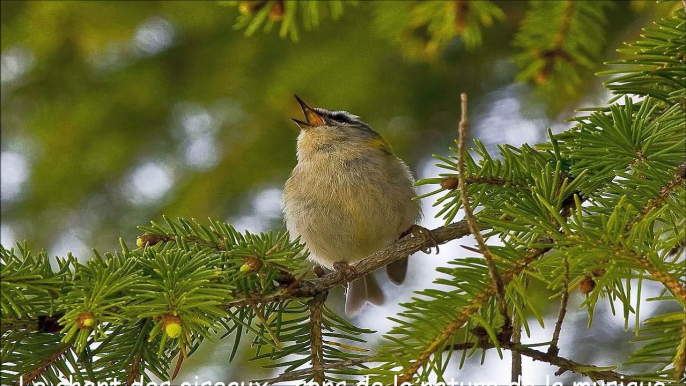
x,y
451,183
677,287
666,190
45,364
472,222
555,52
558,39
299,374
463,316
312,287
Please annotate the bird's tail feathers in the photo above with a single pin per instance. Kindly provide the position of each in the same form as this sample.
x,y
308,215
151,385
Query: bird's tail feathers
x,y
397,270
360,292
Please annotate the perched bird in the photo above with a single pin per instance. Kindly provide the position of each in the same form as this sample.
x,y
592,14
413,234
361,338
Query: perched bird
x,y
348,197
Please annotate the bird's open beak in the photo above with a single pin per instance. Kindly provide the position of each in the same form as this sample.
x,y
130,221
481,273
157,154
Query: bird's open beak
x,y
311,116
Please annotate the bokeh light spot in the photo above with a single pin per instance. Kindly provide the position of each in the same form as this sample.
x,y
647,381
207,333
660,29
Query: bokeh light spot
x,y
14,171
149,182
14,63
154,35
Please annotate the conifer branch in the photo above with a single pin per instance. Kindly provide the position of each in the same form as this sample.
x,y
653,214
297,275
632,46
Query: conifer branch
x,y
45,364
451,183
667,189
474,306
472,222
555,52
669,281
307,288
135,369
299,374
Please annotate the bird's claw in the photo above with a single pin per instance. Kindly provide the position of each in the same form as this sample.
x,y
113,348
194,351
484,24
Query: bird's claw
x,y
421,232
318,270
346,270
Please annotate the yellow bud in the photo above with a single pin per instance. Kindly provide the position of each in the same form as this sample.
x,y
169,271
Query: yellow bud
x,y
148,239
85,320
173,326
251,264
173,330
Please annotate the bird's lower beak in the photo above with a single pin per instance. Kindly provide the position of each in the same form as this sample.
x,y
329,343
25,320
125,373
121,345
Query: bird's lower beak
x,y
311,116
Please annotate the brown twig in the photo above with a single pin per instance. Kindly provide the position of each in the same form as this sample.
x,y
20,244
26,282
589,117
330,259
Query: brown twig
x,y
316,345
554,349
516,371
472,222
564,364
400,249
556,51
134,370
461,11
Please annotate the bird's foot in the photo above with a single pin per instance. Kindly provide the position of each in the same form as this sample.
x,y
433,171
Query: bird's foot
x,y
423,233
318,270
346,270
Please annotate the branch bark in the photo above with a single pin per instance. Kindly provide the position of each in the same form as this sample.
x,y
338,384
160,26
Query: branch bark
x,y
593,372
316,350
472,222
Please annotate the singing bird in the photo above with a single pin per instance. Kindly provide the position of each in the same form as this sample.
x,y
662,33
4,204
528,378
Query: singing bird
x,y
348,197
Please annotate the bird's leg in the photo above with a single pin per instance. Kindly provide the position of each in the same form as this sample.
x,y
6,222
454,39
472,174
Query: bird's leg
x,y
421,232
346,270
318,270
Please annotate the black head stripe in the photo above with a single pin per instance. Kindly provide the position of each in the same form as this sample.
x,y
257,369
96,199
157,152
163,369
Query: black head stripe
x,y
342,117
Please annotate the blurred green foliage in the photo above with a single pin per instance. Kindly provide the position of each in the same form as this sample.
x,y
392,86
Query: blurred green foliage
x,y
114,113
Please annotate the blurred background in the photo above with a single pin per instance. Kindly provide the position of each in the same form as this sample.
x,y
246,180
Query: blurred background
x,y
116,113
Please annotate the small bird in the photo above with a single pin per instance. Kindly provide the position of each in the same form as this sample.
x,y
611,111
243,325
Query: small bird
x,y
348,197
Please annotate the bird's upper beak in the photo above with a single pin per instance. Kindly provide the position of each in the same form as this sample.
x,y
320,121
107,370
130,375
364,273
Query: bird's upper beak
x,y
311,116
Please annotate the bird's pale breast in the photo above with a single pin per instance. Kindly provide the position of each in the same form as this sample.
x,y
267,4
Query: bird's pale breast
x,y
346,207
